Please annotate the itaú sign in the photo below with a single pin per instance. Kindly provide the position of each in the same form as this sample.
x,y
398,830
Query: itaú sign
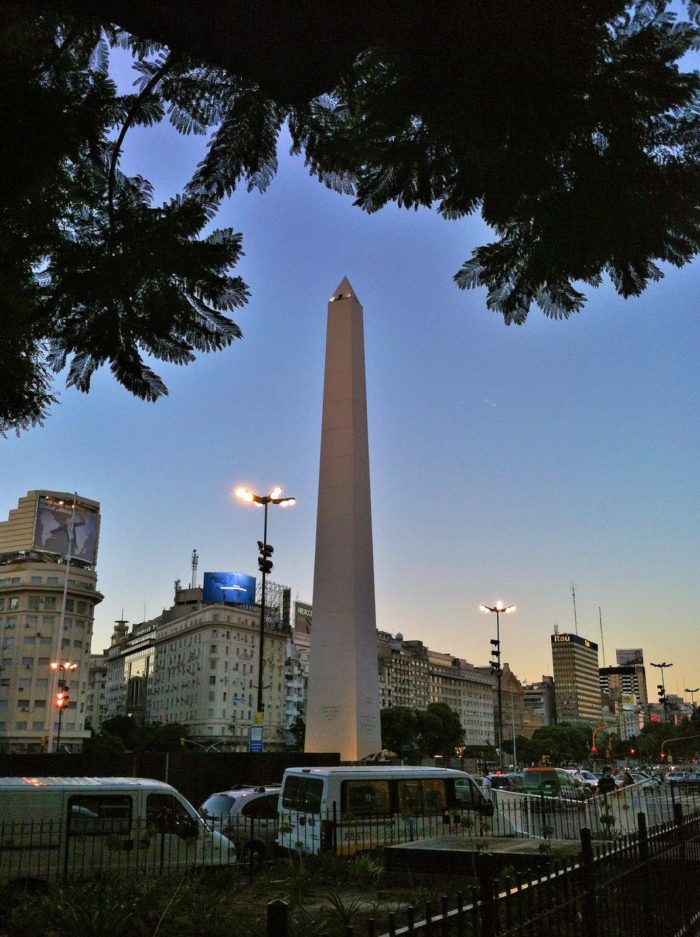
x,y
572,639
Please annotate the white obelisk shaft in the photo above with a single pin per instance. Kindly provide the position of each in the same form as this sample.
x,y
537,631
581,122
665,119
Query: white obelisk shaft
x,y
342,712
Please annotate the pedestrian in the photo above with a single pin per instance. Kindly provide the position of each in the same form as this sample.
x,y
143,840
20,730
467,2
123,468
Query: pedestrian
x,y
606,785
486,780
627,779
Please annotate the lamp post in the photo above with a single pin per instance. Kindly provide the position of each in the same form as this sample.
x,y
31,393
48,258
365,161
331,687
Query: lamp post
x,y
62,697
662,687
692,695
496,665
265,566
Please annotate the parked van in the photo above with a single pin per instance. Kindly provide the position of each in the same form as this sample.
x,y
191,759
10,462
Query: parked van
x,y
350,809
552,782
72,828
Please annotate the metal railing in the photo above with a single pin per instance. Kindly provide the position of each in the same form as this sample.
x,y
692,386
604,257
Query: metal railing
x,y
643,884
39,850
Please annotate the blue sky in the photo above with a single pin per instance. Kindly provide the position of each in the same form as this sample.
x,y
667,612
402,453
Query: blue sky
x,y
506,462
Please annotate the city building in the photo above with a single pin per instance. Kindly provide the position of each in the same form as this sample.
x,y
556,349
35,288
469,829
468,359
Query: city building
x,y
404,672
539,706
197,664
96,692
576,680
470,691
617,682
296,668
48,594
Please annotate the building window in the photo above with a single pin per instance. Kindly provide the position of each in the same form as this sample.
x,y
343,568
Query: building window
x,y
212,681
81,608
35,580
13,604
52,580
49,602
37,726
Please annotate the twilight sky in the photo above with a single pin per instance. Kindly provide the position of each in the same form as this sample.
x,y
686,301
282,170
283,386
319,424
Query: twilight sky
x,y
506,462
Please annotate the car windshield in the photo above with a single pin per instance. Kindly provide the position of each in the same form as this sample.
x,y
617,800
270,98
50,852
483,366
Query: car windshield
x,y
218,805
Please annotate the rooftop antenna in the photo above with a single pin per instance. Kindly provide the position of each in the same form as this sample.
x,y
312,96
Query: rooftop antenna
x,y
602,642
573,598
195,561
556,628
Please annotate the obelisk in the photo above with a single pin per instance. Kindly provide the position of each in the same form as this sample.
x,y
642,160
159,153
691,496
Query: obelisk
x,y
342,710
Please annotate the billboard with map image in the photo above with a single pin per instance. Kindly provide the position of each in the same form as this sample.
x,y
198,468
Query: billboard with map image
x,y
52,529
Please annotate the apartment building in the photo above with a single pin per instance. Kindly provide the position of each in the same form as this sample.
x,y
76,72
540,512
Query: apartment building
x,y
469,691
198,665
48,594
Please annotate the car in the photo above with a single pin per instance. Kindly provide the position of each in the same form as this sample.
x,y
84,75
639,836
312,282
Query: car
x,y
588,778
684,779
649,785
582,776
512,781
248,816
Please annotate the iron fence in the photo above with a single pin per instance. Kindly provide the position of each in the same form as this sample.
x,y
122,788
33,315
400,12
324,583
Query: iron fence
x,y
639,885
39,850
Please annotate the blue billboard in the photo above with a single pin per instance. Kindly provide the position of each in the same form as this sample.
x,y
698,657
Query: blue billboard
x,y
235,588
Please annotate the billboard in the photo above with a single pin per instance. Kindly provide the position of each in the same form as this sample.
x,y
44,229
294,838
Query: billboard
x,y
235,588
629,657
53,530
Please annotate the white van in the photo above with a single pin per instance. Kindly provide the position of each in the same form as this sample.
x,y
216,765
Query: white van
x,y
66,829
351,809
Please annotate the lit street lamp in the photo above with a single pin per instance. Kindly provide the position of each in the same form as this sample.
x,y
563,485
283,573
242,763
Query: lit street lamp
x,y
692,695
265,566
662,687
62,696
496,665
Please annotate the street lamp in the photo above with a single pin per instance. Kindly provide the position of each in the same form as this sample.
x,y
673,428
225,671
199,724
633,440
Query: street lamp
x,y
496,665
692,695
662,687
62,695
265,566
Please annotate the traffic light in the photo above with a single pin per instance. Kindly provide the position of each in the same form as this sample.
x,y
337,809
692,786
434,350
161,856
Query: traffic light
x,y
594,750
264,561
662,693
495,655
62,699
662,756
632,752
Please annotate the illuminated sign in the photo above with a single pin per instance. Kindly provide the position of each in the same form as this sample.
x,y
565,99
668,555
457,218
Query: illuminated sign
x,y
229,588
61,528
574,639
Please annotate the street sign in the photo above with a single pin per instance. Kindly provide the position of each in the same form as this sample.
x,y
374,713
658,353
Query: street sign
x,y
255,739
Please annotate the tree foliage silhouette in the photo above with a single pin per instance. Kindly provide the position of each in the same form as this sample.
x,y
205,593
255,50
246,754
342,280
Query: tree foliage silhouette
x,y
572,129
